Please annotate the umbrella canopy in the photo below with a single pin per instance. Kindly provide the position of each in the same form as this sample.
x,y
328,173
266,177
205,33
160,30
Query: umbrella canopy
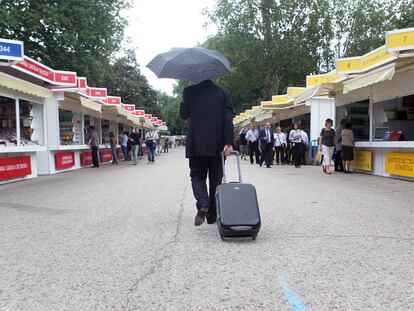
x,y
194,64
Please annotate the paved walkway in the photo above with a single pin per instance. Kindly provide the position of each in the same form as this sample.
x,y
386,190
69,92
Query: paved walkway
x,y
122,238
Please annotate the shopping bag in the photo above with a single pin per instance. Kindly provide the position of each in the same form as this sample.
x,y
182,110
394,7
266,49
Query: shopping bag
x,y
319,156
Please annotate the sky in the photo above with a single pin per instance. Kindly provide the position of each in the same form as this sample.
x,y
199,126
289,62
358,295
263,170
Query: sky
x,y
155,26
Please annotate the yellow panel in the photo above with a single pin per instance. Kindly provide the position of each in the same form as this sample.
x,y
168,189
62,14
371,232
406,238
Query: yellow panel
x,y
362,161
269,102
295,91
315,80
400,164
400,40
376,58
347,65
280,99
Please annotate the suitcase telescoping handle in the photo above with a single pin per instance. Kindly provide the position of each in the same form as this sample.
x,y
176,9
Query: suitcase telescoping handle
x,y
237,154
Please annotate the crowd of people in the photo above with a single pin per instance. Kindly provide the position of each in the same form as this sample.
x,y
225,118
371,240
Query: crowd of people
x,y
133,145
271,146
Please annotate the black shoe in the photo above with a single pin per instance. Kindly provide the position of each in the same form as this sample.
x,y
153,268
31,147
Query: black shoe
x,y
201,216
268,166
260,164
211,221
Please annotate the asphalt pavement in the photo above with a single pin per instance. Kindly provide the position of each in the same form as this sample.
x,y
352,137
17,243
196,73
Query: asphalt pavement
x,y
122,238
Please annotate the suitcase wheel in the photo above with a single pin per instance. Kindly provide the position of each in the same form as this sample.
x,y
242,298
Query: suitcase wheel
x,y
222,237
254,237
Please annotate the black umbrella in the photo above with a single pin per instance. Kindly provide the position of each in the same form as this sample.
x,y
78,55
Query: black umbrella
x,y
194,64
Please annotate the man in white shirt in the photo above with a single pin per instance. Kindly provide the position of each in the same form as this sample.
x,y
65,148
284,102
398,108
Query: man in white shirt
x,y
252,137
124,145
280,145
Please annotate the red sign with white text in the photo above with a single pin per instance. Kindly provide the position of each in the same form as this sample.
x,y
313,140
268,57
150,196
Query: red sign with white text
x,y
154,119
139,113
35,68
86,158
96,92
113,100
148,116
15,167
65,78
120,154
158,123
128,107
105,156
82,83
64,160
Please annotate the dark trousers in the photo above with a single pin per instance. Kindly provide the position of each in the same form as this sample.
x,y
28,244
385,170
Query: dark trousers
x,y
151,152
339,167
95,159
125,152
266,154
200,168
254,148
297,153
280,154
303,154
288,154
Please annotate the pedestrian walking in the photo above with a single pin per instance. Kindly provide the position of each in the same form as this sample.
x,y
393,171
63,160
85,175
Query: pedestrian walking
x,y
295,136
305,146
266,145
124,145
348,141
243,143
338,147
209,109
94,144
280,145
252,137
134,138
166,145
151,139
327,142
129,149
112,143
289,149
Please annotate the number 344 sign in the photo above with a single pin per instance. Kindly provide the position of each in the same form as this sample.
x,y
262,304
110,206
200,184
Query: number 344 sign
x,y
11,50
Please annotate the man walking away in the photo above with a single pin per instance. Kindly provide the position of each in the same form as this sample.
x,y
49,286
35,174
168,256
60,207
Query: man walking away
x,y
339,167
243,143
266,145
209,110
151,140
124,145
135,138
94,144
252,137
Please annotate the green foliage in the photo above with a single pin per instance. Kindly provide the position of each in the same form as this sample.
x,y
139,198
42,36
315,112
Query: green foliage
x,y
75,35
274,44
128,82
170,114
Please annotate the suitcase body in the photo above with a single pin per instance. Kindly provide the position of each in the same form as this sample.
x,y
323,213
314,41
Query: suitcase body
x,y
237,208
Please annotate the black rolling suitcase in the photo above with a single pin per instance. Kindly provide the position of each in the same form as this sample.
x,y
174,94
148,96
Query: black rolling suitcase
x,y
237,208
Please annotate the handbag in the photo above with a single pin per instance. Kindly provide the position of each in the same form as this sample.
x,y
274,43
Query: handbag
x,y
319,156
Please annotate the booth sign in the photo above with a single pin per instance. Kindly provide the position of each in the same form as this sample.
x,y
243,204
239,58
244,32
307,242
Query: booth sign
x,y
11,50
105,156
15,167
362,160
120,154
64,160
400,164
86,158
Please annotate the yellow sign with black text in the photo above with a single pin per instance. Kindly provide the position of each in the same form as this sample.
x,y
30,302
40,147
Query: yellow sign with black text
x,y
400,40
400,164
362,160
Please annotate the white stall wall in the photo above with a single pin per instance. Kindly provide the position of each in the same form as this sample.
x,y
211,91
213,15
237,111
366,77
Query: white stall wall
x,y
321,109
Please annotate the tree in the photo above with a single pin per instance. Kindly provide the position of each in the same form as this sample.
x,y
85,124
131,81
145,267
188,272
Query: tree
x,y
128,82
76,35
274,44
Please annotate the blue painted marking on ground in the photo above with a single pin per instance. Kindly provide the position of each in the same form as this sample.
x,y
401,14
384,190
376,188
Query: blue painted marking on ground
x,y
292,298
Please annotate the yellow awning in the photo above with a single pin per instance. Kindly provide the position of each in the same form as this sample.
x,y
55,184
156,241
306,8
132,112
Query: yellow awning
x,y
264,115
376,76
89,104
19,85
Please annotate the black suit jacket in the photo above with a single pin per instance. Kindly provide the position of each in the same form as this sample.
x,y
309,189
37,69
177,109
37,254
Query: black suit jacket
x,y
263,142
209,109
